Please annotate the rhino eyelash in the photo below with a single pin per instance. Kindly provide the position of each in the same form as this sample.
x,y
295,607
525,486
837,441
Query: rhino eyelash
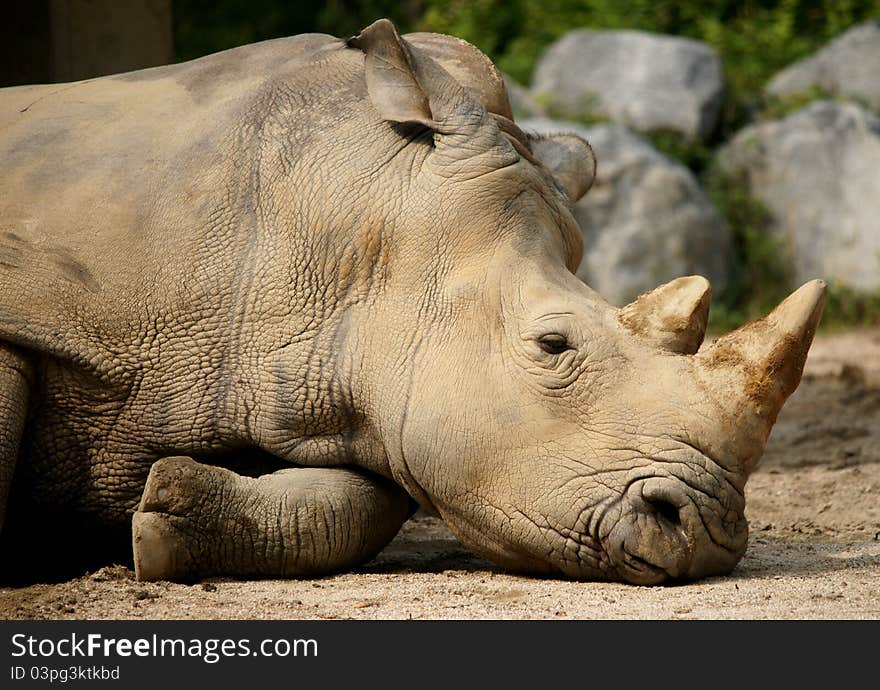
x,y
554,344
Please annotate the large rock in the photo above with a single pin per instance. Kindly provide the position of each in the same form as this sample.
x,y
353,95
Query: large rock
x,y
646,220
818,173
849,65
647,81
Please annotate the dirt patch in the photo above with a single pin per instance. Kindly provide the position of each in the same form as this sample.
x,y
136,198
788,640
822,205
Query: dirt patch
x,y
814,550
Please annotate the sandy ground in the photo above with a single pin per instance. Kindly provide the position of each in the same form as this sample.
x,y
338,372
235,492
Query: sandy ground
x,y
813,506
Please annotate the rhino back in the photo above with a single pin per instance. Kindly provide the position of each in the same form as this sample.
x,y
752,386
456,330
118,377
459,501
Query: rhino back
x,y
133,194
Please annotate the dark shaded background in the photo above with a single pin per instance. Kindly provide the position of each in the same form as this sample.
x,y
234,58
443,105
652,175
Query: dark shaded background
x,y
61,40
46,41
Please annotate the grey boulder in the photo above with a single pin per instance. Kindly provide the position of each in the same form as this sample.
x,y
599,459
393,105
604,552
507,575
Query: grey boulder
x,y
849,65
645,220
818,173
647,81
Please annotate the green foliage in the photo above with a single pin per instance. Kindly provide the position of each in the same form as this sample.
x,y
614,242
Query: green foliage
x,y
773,107
761,271
776,107
693,154
755,38
845,308
586,113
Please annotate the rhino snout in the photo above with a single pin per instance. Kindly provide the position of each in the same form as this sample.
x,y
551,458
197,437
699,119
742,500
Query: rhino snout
x,y
668,530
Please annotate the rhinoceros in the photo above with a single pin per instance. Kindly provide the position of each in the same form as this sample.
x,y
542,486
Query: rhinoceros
x,y
256,307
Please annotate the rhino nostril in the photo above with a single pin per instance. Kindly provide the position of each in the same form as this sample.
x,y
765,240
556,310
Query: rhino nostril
x,y
665,510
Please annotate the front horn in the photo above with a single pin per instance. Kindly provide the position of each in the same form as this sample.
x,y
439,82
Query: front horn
x,y
754,369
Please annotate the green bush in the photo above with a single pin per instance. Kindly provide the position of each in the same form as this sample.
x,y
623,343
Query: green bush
x,y
761,272
693,154
845,308
754,38
585,114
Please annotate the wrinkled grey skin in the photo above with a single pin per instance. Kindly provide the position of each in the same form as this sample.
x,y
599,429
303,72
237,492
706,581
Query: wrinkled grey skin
x,y
345,260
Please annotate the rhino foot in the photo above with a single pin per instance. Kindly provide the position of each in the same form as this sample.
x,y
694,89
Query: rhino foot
x,y
168,527
160,550
197,520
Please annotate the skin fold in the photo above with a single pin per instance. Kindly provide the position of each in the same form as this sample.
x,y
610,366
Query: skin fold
x,y
252,305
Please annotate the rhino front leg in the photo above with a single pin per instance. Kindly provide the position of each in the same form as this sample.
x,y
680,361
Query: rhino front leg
x,y
16,376
197,520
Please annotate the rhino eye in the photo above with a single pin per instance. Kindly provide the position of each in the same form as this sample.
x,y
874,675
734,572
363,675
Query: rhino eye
x,y
553,344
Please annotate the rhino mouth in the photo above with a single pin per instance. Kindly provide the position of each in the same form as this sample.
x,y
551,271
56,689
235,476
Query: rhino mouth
x,y
666,530
640,571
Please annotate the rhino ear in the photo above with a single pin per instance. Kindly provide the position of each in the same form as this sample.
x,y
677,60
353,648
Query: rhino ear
x,y
391,75
569,159
406,85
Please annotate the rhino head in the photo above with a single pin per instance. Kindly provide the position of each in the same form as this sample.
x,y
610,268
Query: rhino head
x,y
553,432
